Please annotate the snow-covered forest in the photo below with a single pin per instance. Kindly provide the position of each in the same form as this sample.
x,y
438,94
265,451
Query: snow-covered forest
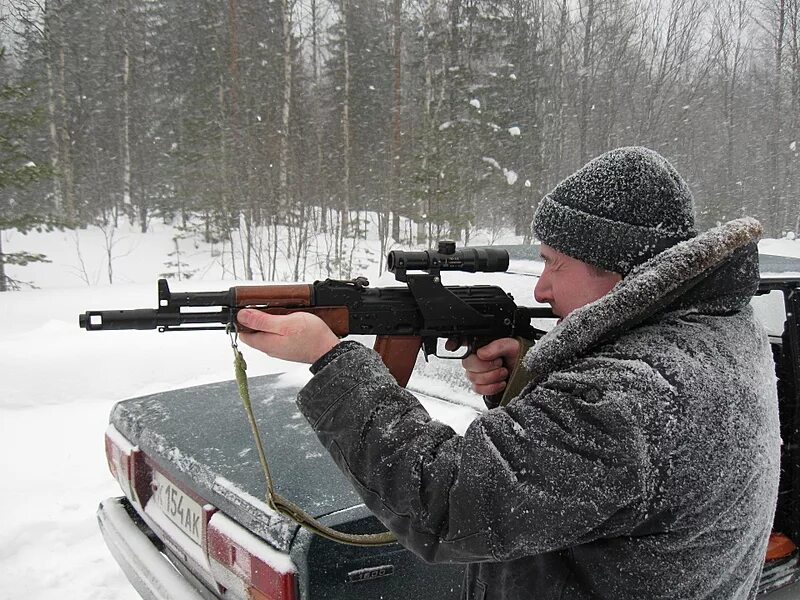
x,y
239,118
222,141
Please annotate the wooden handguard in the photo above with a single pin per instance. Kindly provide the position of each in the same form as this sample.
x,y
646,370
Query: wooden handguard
x,y
399,354
274,295
335,317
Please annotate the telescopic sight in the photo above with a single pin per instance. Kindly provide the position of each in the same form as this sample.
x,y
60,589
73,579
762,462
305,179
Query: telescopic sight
x,y
470,259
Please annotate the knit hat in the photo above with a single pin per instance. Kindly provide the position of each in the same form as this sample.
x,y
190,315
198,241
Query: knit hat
x,y
619,210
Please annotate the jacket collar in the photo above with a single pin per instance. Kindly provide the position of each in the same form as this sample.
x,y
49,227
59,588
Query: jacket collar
x,y
714,272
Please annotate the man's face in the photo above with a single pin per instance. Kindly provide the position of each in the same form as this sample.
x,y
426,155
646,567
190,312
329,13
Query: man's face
x,y
568,283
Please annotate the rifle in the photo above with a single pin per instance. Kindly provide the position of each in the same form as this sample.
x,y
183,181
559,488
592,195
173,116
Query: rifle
x,y
403,319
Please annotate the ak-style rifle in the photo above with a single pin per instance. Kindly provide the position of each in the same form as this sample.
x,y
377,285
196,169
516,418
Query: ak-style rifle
x,y
404,319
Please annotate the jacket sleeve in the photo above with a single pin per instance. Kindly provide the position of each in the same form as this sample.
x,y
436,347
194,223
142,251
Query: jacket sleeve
x,y
560,465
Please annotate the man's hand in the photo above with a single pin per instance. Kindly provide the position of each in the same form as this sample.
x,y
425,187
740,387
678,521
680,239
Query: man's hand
x,y
489,368
299,337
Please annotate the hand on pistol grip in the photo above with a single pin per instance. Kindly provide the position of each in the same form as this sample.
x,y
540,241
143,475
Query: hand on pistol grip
x,y
489,367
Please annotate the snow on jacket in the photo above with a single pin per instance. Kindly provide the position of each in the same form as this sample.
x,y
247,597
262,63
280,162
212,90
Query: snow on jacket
x,y
641,461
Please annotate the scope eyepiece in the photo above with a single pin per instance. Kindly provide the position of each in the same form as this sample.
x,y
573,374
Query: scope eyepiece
x,y
485,259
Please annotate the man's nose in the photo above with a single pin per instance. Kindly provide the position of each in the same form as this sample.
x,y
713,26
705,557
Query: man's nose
x,y
542,293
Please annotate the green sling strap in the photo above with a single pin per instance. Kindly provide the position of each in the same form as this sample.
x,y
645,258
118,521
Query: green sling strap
x,y
277,502
289,509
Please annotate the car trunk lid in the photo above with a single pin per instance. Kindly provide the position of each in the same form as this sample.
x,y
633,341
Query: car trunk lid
x,y
200,438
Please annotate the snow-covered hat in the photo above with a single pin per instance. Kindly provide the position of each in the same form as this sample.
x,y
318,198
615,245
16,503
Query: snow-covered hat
x,y
619,210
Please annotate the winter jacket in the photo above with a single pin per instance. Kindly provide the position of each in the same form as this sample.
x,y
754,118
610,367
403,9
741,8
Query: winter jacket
x,y
640,461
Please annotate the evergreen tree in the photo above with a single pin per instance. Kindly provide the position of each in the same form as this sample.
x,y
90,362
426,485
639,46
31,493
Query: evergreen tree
x,y
17,171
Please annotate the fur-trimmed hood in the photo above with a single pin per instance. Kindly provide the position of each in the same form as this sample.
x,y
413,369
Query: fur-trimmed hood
x,y
715,272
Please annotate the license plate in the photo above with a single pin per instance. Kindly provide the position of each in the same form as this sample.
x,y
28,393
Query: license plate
x,y
178,507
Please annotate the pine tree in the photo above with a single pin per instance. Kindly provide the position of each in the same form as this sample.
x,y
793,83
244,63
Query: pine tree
x,y
17,171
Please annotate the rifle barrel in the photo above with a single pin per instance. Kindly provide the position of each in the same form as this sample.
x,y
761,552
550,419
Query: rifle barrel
x,y
149,318
142,318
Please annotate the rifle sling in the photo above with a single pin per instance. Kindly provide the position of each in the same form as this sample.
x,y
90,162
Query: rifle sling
x,y
280,504
518,377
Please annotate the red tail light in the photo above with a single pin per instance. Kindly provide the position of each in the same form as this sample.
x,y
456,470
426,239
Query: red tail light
x,y
266,573
780,546
127,465
118,454
236,558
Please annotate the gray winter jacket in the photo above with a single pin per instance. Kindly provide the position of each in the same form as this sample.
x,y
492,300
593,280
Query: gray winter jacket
x,y
641,461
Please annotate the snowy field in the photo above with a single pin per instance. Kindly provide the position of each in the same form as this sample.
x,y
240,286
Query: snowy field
x,y
59,383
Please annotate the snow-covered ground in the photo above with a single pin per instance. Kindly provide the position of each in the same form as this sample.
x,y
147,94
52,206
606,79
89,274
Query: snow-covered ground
x,y
59,383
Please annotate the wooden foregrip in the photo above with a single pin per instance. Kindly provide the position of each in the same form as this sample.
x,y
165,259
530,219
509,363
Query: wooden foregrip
x,y
399,354
335,317
274,295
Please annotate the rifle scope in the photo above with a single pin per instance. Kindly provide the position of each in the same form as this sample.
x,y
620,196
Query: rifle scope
x,y
470,259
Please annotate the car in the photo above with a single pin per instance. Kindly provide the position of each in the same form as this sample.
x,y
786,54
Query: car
x,y
193,521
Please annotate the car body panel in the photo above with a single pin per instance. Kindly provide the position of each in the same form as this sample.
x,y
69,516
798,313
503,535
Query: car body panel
x,y
201,439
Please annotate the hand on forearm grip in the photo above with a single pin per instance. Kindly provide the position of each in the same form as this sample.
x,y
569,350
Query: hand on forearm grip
x,y
298,337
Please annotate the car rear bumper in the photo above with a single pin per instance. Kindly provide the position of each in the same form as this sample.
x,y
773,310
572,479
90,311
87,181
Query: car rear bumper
x,y
136,549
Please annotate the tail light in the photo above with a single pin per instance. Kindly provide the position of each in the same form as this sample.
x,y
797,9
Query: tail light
x,y
780,546
127,465
237,558
266,573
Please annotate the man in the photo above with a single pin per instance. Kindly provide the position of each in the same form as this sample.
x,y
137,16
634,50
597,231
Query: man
x,y
641,458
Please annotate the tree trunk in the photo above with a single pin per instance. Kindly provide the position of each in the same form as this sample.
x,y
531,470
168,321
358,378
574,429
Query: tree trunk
x,y
126,112
585,100
57,108
792,182
775,135
286,105
322,196
345,208
55,152
395,202
63,131
225,208
3,283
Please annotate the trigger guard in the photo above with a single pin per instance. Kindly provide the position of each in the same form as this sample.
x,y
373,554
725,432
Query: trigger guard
x,y
470,350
